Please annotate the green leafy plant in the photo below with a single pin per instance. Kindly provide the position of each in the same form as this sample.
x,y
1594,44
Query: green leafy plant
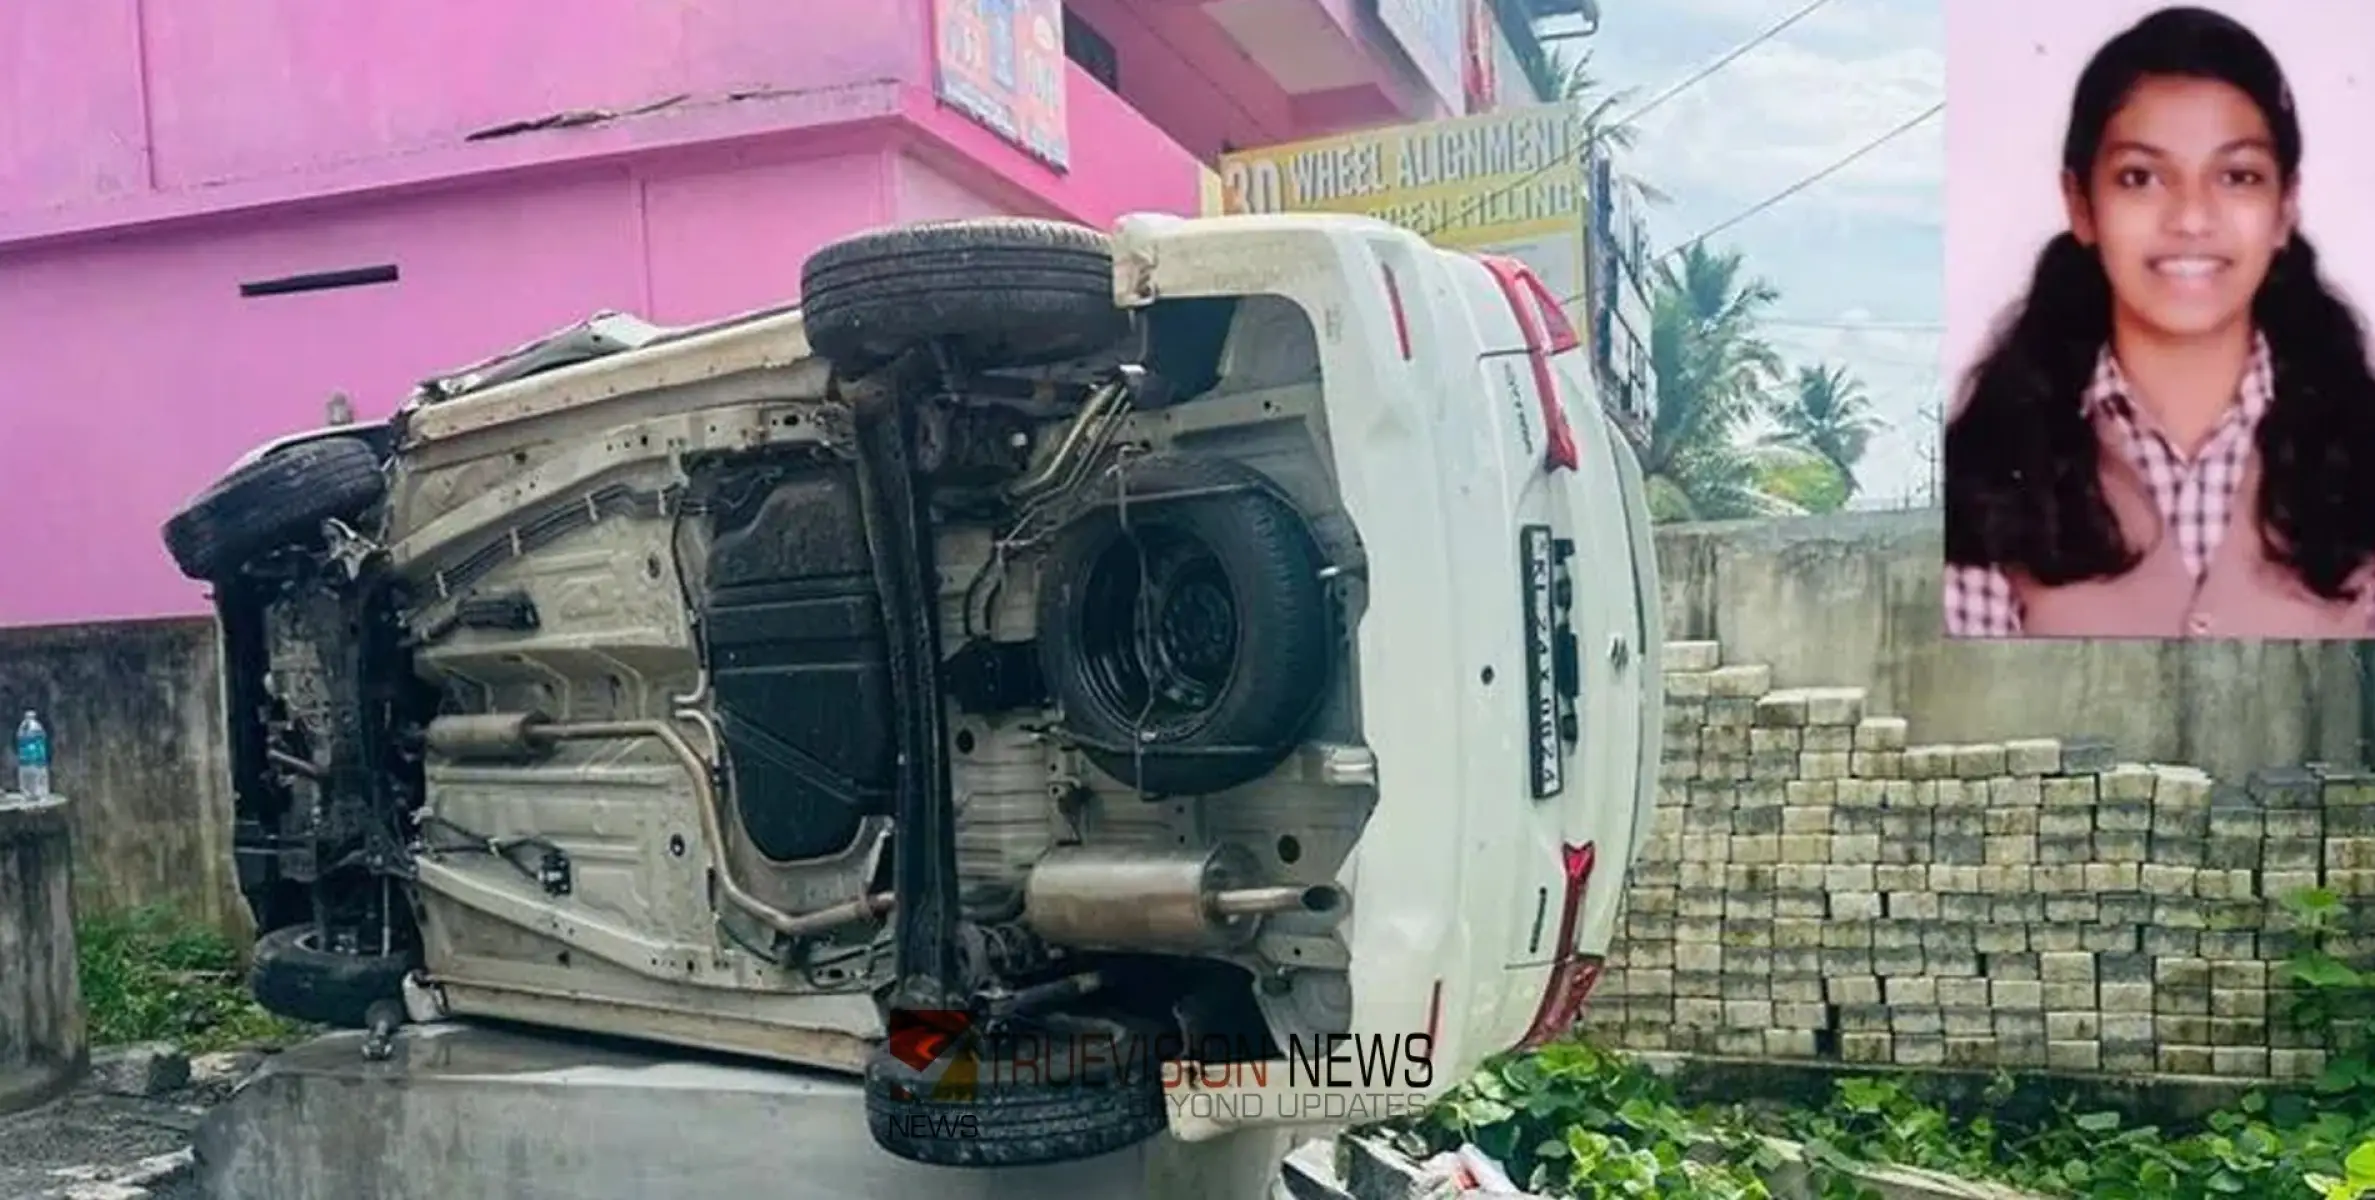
x,y
2325,993
1587,1122
2355,1183
151,974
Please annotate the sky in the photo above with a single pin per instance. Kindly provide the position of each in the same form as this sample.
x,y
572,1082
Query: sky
x,y
1855,257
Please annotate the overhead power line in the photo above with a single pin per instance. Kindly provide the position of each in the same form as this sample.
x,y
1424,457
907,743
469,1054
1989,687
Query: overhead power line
x,y
1836,166
1671,91
1844,161
1853,326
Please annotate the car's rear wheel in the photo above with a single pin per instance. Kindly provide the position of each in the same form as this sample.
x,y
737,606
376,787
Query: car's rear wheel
x,y
1184,626
277,500
998,292
1016,1100
296,976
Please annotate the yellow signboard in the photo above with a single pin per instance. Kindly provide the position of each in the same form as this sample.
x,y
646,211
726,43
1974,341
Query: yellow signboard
x,y
1474,182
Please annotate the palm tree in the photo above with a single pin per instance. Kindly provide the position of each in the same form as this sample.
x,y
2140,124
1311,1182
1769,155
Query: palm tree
x,y
1712,372
1826,414
1587,92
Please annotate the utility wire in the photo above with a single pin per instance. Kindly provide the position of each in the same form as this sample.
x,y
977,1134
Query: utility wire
x,y
1845,161
1841,164
1853,326
1671,91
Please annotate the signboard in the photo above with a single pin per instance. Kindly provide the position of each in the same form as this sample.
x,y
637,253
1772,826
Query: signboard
x,y
1002,63
1504,183
1434,34
1619,307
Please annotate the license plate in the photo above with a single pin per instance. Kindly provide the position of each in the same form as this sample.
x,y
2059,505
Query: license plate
x,y
1545,757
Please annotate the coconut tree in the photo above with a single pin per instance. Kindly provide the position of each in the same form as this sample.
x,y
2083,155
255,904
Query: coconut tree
x,y
1826,414
1712,372
1598,106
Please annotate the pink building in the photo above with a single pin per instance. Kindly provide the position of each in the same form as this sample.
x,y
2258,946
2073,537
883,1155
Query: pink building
x,y
219,212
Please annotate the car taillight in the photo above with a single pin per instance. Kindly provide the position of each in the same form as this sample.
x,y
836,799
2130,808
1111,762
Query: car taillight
x,y
1534,308
1571,977
1562,1004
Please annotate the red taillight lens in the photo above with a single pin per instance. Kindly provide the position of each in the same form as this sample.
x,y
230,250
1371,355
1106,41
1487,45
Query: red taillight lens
x,y
1571,982
1554,318
1534,308
1571,977
1579,862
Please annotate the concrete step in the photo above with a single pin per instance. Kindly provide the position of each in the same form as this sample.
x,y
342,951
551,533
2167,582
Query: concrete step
x,y
1692,656
1785,708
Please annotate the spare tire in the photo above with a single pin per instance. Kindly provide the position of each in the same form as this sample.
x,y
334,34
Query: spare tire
x,y
277,500
293,975
1189,639
1000,292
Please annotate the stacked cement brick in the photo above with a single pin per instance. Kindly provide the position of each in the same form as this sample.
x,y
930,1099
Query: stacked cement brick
x,y
1815,887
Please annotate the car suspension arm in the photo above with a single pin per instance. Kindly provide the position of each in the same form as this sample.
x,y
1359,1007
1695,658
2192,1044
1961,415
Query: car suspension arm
x,y
923,838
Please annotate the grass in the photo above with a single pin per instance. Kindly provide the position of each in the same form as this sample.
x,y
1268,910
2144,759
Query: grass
x,y
1574,1119
152,974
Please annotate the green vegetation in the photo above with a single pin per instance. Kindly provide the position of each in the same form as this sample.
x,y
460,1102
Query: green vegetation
x,y
152,974
1573,1119
1738,432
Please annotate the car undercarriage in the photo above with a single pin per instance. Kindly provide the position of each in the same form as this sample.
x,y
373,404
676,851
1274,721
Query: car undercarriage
x,y
960,643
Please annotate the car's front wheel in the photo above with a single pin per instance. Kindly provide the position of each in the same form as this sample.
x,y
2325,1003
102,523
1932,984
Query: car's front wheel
x,y
275,501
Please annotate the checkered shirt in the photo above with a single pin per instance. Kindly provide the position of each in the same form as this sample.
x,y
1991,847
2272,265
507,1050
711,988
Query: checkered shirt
x,y
2194,499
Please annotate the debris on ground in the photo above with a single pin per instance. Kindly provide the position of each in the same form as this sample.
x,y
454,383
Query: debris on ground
x,y
1360,1168
124,1132
142,1069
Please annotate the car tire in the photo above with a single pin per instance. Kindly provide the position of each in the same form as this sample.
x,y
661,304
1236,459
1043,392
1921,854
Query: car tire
x,y
1001,292
1041,1116
294,977
276,500
1246,636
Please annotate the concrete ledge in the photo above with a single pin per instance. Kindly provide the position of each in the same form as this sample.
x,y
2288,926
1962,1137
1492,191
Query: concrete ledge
x,y
30,1087
2164,1100
467,1111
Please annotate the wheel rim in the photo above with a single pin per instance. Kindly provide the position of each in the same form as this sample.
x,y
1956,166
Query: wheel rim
x,y
1159,630
311,940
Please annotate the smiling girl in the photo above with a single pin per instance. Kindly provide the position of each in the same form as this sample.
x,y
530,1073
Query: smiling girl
x,y
2173,434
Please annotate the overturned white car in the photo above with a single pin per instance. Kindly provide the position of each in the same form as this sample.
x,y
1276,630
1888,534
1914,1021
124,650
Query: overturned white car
x,y
1224,634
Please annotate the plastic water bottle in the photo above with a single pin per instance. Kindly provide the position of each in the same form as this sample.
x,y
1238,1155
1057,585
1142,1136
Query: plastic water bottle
x,y
32,757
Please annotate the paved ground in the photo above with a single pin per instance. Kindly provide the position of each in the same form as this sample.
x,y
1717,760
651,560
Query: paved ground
x,y
91,1129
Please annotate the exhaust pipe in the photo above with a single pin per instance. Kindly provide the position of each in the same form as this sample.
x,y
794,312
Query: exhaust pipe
x,y
1112,899
1267,901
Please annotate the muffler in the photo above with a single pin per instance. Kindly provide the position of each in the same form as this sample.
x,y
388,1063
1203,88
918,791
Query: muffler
x,y
1095,898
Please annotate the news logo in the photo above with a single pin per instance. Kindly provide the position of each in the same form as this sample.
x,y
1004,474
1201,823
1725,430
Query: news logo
x,y
942,1047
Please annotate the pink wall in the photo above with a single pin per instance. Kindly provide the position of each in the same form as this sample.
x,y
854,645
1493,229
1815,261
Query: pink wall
x,y
161,153
2008,87
138,371
1188,76
174,95
1121,162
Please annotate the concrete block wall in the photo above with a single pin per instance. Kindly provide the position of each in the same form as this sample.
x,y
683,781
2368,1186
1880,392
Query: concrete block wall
x,y
1819,884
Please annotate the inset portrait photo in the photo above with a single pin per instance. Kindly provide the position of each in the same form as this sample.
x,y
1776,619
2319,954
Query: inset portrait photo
x,y
2160,261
